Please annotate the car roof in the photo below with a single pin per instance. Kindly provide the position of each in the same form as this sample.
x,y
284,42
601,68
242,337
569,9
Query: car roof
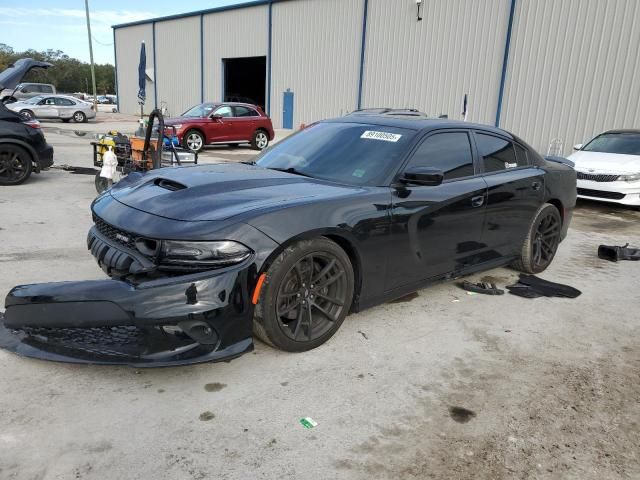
x,y
622,130
416,123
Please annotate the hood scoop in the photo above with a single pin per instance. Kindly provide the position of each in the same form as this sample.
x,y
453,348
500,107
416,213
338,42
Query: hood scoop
x,y
167,184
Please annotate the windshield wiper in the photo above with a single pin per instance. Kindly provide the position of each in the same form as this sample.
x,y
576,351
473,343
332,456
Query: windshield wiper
x,y
291,170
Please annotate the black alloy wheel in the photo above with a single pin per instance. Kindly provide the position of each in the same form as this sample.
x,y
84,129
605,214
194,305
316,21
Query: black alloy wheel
x,y
306,296
15,165
542,241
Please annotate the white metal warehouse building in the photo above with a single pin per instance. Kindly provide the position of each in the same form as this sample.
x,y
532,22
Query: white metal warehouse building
x,y
543,69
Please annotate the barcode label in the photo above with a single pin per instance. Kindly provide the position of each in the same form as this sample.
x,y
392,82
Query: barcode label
x,y
384,136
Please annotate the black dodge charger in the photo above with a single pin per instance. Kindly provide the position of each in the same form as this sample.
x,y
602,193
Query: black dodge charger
x,y
341,216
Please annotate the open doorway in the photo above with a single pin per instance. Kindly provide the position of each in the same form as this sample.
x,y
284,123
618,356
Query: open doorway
x,y
245,80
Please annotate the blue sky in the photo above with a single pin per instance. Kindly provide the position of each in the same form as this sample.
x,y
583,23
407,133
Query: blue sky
x,y
61,24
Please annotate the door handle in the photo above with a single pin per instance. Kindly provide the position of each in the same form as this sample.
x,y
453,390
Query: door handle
x,y
477,201
536,185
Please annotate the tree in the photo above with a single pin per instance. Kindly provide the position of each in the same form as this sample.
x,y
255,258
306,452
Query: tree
x,y
67,74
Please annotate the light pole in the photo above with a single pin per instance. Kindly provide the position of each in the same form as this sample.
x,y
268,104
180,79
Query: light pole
x,y
93,70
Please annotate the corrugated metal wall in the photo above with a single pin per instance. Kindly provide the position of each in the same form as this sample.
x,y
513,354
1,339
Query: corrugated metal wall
x,y
574,70
316,53
127,42
178,63
233,33
457,48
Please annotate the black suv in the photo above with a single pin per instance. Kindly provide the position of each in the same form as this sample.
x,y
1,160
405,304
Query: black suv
x,y
23,148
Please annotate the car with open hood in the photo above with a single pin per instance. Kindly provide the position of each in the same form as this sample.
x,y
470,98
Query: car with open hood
x,y
343,215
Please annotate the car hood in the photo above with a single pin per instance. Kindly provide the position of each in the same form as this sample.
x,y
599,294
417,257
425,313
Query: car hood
x,y
15,106
599,162
220,191
176,120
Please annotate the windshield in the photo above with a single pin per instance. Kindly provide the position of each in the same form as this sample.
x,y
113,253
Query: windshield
x,y
34,100
623,143
199,111
351,153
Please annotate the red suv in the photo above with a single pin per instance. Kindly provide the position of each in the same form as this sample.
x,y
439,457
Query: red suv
x,y
223,123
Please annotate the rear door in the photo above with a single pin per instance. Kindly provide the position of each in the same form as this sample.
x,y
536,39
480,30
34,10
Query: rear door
x,y
66,108
438,229
244,122
515,191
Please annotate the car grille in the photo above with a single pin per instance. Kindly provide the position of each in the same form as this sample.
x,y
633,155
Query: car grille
x,y
597,178
123,238
600,194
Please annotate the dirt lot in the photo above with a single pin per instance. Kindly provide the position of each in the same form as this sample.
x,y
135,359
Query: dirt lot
x,y
437,385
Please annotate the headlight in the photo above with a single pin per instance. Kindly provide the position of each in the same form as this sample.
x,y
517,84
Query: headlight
x,y
204,254
630,178
177,125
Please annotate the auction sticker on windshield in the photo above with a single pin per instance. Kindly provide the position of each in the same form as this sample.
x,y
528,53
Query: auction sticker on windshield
x,y
384,136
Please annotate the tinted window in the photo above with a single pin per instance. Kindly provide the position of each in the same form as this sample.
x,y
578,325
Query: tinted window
x,y
497,154
224,112
624,143
46,89
245,112
350,153
64,102
522,155
50,101
449,152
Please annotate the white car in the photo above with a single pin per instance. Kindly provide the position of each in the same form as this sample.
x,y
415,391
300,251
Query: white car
x,y
608,167
63,107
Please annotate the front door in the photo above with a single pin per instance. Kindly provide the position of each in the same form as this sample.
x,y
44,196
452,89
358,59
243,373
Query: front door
x,y
515,192
438,229
218,126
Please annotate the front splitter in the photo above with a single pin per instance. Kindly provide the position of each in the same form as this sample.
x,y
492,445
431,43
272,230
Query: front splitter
x,y
140,348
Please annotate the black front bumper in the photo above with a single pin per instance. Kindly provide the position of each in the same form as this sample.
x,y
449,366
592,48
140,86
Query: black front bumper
x,y
178,320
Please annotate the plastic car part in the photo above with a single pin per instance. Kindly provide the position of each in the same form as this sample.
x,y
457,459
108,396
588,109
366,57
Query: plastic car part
x,y
482,287
530,286
614,253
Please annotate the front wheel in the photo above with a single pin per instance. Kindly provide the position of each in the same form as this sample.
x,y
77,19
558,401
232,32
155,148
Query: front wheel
x,y
306,294
26,114
193,140
79,117
15,165
542,241
260,140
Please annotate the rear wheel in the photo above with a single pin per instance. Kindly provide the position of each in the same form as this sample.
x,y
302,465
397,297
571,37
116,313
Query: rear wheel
x,y
305,297
26,114
15,164
542,241
79,117
260,140
193,140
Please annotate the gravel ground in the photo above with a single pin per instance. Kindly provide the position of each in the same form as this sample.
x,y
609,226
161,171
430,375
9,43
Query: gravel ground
x,y
439,384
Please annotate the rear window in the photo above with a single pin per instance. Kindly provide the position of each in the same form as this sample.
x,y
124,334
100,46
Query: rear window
x,y
350,153
497,154
622,143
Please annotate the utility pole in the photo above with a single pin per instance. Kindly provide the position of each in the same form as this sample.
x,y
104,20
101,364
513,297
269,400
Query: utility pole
x,y
93,69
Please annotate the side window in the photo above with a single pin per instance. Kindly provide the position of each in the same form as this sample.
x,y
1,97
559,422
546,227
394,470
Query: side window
x,y
497,154
224,111
64,102
449,152
50,101
245,112
522,155
46,89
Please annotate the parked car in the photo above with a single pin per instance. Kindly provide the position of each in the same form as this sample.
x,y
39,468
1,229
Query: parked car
x,y
608,167
23,148
223,123
11,77
63,107
25,91
336,218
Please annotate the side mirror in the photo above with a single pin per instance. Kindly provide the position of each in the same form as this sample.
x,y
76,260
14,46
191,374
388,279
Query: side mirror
x,y
216,117
425,176
578,146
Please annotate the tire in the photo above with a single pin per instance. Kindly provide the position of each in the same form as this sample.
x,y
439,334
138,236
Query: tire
x,y
542,240
282,319
15,164
260,140
193,140
79,117
26,114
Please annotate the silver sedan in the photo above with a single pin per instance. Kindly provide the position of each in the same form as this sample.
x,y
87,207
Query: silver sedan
x,y
63,107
